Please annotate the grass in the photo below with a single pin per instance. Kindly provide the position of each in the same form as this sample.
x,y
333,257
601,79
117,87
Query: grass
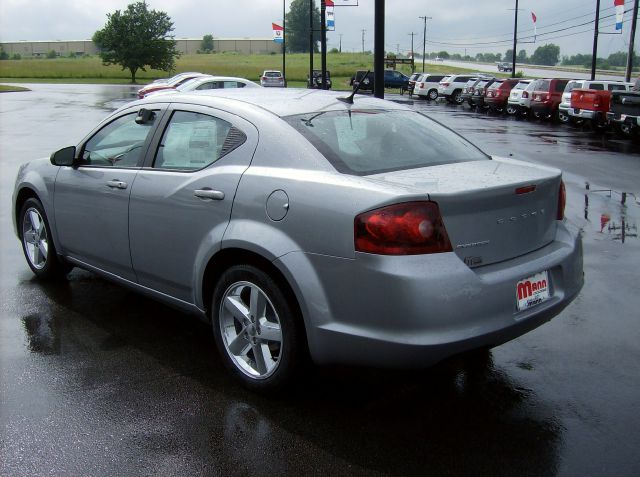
x,y
91,69
4,88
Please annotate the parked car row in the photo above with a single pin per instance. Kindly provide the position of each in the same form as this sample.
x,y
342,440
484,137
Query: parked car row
x,y
187,82
565,100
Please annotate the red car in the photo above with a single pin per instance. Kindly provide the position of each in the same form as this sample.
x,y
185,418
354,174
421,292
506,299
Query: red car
x,y
547,97
172,83
497,94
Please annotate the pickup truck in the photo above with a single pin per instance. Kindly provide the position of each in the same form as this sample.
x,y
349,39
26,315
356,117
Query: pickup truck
x,y
504,66
625,111
591,105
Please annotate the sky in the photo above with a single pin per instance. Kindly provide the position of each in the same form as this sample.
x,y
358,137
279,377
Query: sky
x,y
471,26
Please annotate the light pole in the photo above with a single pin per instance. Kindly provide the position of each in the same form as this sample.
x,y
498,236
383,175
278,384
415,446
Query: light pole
x,y
515,41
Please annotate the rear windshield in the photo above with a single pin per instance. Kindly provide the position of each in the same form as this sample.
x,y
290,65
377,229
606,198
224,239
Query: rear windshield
x,y
543,85
571,85
362,142
272,74
521,85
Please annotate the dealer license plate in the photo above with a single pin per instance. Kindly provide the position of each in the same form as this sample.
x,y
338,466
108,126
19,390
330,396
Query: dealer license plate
x,y
533,290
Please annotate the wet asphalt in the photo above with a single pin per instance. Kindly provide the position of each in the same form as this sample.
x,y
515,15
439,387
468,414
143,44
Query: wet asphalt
x,y
97,380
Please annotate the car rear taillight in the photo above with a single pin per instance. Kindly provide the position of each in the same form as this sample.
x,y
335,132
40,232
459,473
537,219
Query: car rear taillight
x,y
264,78
562,201
421,85
445,85
410,228
525,94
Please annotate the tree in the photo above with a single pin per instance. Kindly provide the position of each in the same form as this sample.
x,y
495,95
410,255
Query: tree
x,y
207,44
546,55
522,57
297,27
3,54
508,56
136,38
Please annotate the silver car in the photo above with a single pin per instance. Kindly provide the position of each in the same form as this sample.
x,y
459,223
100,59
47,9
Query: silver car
x,y
301,224
272,78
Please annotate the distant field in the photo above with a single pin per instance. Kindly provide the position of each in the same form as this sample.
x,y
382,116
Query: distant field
x,y
91,70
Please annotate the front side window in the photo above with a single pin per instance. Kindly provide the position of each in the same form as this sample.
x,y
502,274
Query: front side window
x,y
362,142
191,141
119,143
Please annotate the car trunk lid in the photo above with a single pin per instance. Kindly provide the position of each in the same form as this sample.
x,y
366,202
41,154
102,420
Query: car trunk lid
x,y
492,210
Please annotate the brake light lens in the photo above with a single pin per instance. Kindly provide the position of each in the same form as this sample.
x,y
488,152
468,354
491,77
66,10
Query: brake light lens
x,y
444,84
421,85
264,78
409,228
562,201
525,94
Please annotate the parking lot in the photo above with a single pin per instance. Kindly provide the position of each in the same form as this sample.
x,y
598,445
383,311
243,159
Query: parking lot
x,y
95,379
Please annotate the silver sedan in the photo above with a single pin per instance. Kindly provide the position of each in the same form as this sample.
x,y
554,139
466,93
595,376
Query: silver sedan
x,y
303,224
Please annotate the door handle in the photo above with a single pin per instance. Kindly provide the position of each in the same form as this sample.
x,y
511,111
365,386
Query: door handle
x,y
209,194
116,184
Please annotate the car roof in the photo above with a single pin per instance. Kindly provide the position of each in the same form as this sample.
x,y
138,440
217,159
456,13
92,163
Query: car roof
x,y
281,102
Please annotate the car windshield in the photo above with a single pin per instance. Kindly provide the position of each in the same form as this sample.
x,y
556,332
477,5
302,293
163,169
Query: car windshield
x,y
362,142
187,84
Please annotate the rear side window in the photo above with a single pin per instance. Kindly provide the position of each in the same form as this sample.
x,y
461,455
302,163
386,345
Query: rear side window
x,y
192,141
597,86
434,78
571,85
617,87
362,142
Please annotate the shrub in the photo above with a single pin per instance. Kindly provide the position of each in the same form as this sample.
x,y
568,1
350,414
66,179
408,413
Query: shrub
x,y
16,56
52,54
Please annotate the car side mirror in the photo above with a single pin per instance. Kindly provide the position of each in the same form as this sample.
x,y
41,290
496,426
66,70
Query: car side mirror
x,y
64,157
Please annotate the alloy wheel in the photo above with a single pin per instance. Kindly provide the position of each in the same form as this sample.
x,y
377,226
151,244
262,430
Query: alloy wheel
x,y
35,239
250,330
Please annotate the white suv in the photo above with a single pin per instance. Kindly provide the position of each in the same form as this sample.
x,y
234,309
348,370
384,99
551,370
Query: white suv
x,y
515,96
564,115
427,85
520,99
451,87
272,78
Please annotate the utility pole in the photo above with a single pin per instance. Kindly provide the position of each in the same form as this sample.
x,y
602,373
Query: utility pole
x,y
634,22
594,56
378,50
424,39
340,49
515,41
413,56
363,40
311,8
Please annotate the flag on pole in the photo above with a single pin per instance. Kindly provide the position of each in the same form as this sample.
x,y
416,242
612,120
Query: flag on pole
x,y
278,33
619,4
331,23
535,27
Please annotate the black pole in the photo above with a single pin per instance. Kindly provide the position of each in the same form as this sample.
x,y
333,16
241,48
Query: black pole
x,y
323,42
378,50
311,5
634,22
515,41
594,56
284,43
424,40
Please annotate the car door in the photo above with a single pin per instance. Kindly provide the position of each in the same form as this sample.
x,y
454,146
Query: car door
x,y
91,199
182,198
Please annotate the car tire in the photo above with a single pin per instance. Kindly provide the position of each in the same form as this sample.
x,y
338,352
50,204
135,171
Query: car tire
x,y
457,97
257,330
563,117
432,94
37,244
511,110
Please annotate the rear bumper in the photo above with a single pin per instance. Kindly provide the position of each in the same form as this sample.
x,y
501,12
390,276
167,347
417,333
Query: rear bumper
x,y
542,108
415,311
585,114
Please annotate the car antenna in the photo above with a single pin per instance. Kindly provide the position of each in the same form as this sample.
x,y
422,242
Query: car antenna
x,y
349,99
